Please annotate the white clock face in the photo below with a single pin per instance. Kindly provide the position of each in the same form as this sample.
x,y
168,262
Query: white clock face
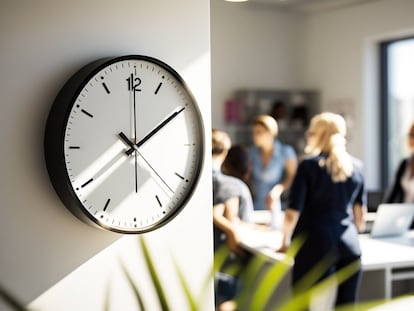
x,y
133,145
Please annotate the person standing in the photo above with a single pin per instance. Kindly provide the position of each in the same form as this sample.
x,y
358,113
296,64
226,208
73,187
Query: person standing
x,y
327,204
273,165
402,190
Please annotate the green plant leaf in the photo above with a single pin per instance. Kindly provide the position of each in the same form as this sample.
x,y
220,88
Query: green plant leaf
x,y
186,289
314,274
154,276
273,277
107,301
248,277
133,286
220,256
267,285
301,300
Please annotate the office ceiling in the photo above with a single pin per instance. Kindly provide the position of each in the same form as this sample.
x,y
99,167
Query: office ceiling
x,y
311,5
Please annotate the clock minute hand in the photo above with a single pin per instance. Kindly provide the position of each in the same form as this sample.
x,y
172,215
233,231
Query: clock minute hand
x,y
155,130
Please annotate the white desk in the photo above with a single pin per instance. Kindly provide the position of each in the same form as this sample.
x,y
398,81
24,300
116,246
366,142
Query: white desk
x,y
391,259
384,261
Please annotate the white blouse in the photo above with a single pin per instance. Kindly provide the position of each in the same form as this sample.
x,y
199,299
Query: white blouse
x,y
407,183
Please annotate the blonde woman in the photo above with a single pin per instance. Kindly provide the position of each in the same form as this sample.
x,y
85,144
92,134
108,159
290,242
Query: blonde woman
x,y
327,204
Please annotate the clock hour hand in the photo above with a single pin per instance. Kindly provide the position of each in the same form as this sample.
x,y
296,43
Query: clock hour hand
x,y
134,147
126,140
155,130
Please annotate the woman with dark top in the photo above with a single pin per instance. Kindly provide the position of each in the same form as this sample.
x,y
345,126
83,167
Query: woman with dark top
x,y
402,190
327,206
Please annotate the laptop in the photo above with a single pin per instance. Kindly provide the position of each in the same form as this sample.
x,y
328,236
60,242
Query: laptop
x,y
392,219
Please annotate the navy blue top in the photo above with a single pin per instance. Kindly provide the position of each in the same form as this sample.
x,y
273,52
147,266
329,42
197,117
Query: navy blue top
x,y
326,207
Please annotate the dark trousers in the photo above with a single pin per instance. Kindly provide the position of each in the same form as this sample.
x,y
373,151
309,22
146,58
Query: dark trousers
x,y
347,292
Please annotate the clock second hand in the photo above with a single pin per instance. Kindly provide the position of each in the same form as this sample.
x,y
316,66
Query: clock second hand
x,y
155,172
135,148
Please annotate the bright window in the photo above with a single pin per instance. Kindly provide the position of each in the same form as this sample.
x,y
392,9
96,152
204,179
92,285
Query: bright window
x,y
397,102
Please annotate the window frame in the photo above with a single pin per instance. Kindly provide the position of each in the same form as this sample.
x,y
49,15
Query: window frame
x,y
384,129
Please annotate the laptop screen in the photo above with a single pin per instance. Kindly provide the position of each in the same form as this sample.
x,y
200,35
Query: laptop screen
x,y
392,219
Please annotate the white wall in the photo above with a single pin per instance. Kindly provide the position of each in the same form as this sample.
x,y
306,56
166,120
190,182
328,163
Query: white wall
x,y
334,51
47,255
253,46
342,61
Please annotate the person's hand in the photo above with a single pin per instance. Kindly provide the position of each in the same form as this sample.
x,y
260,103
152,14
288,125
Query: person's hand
x,y
274,196
233,242
269,202
282,249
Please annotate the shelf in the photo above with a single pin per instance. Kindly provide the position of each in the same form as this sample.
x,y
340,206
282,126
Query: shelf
x,y
292,109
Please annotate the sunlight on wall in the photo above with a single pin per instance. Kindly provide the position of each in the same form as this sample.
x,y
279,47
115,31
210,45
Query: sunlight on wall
x,y
101,278
201,91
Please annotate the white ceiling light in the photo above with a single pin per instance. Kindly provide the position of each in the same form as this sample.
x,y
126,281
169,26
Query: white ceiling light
x,y
236,0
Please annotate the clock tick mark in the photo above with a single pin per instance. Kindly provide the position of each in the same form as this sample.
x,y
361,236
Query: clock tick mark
x,y
87,113
158,200
158,88
87,183
105,86
106,204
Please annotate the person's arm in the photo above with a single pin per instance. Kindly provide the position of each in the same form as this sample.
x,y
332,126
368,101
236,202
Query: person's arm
x,y
231,209
227,226
290,171
360,212
291,219
291,166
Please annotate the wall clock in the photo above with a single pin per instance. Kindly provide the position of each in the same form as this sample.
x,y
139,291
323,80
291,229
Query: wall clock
x,y
124,144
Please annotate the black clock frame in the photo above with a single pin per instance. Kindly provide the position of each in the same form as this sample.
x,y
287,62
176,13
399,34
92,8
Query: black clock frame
x,y
55,133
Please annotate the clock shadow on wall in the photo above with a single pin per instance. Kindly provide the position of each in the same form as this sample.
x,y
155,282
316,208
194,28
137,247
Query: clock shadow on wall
x,y
124,144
